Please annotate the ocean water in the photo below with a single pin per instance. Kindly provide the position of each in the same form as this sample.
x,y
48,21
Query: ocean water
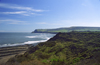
x,y
14,39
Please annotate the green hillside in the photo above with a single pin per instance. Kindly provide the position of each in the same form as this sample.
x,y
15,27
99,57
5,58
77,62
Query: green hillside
x,y
66,29
74,48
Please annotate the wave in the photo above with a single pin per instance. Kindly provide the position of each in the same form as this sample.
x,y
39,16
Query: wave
x,y
28,42
39,37
31,36
42,37
31,42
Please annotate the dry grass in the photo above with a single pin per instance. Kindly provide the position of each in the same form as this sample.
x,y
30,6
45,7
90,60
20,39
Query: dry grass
x,y
33,62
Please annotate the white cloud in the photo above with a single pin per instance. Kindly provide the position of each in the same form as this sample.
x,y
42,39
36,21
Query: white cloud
x,y
13,6
20,10
12,21
41,23
25,13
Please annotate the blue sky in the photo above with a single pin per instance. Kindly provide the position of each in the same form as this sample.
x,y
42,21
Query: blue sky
x,y
28,15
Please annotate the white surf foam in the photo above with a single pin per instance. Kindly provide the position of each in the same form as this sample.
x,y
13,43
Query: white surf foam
x,y
31,36
41,36
32,42
28,42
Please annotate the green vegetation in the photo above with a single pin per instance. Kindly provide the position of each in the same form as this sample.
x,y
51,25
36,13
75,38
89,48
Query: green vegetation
x,y
66,29
74,48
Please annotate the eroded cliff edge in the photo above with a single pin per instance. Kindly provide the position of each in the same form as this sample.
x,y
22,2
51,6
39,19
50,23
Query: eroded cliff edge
x,y
74,48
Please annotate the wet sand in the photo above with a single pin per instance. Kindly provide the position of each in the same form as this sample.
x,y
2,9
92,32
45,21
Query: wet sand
x,y
7,52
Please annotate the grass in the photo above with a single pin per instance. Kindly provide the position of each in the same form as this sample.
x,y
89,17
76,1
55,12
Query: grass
x,y
74,48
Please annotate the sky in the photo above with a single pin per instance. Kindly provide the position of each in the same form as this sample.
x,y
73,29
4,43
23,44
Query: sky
x,y
28,15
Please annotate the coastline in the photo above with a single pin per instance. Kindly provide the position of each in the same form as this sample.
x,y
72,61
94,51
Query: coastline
x,y
7,52
11,50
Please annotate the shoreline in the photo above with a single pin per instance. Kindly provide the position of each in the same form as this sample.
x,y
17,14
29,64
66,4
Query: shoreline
x,y
7,52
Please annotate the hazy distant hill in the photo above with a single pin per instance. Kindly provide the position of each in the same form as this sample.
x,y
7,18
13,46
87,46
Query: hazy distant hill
x,y
66,29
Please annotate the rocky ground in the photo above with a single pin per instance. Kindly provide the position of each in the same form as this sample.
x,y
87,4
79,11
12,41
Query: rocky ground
x,y
8,52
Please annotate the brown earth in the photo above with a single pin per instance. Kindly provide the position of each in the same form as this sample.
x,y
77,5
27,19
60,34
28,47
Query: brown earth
x,y
7,52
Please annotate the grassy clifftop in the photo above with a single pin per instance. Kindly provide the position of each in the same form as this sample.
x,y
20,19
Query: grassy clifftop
x,y
66,29
74,48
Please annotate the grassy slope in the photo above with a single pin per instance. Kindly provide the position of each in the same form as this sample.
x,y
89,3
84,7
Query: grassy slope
x,y
75,48
67,29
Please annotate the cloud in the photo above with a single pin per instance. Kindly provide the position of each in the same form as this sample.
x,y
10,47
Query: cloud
x,y
41,23
20,10
25,13
14,6
12,21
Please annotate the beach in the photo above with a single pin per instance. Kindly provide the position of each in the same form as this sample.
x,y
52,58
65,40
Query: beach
x,y
8,52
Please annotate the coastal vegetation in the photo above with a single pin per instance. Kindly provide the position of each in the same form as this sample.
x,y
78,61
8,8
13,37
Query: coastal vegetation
x,y
66,29
73,48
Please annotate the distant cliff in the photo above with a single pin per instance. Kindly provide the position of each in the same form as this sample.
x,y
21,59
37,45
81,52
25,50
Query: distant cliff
x,y
66,29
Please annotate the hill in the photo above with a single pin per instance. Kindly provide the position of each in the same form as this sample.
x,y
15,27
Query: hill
x,y
66,29
74,48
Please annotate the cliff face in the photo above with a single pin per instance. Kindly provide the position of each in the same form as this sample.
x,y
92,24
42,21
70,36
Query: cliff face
x,y
42,31
66,29
74,48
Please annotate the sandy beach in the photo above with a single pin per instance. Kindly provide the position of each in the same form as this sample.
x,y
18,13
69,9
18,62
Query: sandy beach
x,y
7,52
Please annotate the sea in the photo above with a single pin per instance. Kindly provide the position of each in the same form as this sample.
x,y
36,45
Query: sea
x,y
15,38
